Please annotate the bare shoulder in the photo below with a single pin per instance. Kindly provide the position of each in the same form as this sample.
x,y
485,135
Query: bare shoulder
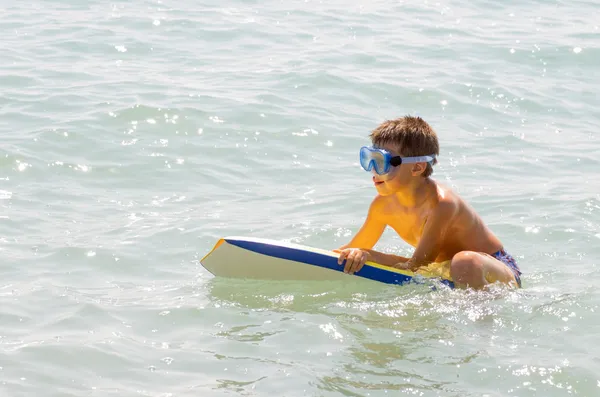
x,y
464,226
447,202
378,206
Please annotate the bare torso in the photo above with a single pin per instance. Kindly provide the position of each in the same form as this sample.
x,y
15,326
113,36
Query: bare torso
x,y
465,231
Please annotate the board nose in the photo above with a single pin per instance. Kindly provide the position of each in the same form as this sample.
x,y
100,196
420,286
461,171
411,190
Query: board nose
x,y
217,244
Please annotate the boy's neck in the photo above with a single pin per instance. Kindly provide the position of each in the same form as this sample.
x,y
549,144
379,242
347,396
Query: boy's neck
x,y
415,193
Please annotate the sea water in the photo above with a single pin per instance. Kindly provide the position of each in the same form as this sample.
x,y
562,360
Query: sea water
x,y
134,134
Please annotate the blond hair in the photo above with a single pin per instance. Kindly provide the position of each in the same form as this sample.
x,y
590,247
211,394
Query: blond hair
x,y
413,136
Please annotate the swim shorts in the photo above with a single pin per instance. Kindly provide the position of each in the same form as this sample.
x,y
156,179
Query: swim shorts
x,y
509,261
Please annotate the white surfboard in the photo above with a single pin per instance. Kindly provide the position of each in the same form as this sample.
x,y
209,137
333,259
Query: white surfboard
x,y
265,259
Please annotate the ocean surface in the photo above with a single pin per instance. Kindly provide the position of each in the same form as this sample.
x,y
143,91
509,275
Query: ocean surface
x,y
134,134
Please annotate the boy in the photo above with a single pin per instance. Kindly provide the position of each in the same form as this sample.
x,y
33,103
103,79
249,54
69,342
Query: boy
x,y
428,216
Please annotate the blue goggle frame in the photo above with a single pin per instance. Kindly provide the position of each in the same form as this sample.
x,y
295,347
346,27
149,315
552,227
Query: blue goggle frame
x,y
381,160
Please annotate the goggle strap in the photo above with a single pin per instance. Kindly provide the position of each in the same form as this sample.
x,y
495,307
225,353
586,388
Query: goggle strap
x,y
418,159
396,161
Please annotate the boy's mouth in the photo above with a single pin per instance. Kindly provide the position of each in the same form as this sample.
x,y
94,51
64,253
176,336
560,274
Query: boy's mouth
x,y
377,182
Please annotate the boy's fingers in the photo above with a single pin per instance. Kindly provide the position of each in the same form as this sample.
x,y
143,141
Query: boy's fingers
x,y
360,263
342,256
356,264
348,265
350,261
355,259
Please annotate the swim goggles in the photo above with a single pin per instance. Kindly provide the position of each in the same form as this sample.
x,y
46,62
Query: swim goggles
x,y
381,160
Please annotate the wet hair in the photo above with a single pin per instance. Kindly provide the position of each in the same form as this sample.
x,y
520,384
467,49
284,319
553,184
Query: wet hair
x,y
411,135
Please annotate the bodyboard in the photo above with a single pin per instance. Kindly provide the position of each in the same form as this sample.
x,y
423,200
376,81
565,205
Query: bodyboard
x,y
265,259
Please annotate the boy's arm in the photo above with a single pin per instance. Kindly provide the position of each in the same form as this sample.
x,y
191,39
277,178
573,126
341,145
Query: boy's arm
x,y
371,230
431,241
365,239
385,259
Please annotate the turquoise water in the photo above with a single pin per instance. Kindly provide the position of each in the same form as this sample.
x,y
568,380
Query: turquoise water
x,y
135,134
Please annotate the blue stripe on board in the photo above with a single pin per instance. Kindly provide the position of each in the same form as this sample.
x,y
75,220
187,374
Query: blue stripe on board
x,y
329,262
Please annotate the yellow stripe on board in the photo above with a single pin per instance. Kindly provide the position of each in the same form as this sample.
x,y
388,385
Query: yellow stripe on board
x,y
391,269
434,270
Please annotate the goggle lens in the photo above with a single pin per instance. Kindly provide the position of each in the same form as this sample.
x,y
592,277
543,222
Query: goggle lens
x,y
377,159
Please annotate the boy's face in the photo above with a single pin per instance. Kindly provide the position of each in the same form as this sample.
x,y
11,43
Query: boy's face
x,y
398,178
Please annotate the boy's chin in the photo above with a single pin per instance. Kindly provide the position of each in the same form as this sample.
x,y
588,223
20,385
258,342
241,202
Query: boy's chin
x,y
384,190
388,188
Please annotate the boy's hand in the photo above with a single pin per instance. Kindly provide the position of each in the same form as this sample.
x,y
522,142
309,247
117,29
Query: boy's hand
x,y
355,259
402,265
409,265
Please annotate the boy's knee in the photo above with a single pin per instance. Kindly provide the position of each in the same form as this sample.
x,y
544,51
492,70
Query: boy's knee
x,y
466,265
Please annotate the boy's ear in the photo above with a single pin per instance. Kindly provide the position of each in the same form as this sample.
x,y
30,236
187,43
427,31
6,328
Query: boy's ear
x,y
418,168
